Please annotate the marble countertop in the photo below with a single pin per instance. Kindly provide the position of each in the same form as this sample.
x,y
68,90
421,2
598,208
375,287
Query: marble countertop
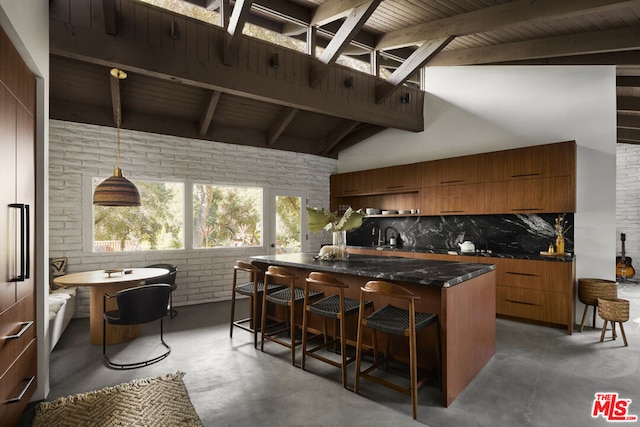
x,y
424,272
561,258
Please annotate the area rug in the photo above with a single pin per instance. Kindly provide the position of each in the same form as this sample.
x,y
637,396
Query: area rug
x,y
161,401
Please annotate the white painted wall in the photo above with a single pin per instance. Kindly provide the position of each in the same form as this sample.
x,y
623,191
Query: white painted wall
x,y
79,152
26,22
471,110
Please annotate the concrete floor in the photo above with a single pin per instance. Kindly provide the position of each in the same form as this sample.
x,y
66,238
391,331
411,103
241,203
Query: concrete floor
x,y
539,376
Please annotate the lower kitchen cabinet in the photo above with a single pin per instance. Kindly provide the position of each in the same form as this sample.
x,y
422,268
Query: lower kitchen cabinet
x,y
536,291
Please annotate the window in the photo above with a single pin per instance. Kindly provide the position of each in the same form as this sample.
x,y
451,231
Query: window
x,y
156,225
226,216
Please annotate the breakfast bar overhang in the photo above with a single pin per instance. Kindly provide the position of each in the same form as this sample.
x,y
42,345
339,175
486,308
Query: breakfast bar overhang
x,y
463,295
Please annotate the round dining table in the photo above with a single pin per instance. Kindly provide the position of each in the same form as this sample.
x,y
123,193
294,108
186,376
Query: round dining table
x,y
109,282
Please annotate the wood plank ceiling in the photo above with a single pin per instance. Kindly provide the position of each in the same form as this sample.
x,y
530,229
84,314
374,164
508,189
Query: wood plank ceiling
x,y
207,80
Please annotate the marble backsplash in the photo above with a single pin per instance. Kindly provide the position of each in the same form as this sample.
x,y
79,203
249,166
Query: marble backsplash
x,y
507,234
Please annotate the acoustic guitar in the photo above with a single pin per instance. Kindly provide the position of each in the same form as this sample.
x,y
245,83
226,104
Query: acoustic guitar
x,y
623,263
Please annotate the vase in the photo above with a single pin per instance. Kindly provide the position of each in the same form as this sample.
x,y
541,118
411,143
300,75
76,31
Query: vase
x,y
560,244
340,245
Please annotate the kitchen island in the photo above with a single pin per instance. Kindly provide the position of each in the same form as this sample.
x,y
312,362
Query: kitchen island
x,y
461,294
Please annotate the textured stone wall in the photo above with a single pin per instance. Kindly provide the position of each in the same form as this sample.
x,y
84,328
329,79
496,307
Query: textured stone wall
x,y
79,152
628,201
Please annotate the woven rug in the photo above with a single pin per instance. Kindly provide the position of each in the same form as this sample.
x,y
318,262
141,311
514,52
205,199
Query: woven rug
x,y
161,401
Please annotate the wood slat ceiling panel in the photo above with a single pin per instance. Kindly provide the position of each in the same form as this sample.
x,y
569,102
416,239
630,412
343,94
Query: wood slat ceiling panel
x,y
161,97
306,123
79,82
622,18
245,113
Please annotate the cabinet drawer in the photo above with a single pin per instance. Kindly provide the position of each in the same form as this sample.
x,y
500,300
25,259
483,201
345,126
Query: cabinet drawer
x,y
536,275
14,323
535,305
18,384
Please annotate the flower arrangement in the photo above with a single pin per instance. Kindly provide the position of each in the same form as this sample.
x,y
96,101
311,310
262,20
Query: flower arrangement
x,y
561,229
561,225
319,219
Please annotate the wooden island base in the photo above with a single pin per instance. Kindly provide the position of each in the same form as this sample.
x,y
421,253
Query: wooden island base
x,y
467,319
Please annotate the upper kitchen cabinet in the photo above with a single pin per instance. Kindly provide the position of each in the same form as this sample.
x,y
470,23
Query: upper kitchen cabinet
x,y
396,179
351,183
531,196
454,171
394,187
540,161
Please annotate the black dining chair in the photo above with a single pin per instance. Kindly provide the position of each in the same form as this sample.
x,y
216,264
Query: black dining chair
x,y
170,279
136,306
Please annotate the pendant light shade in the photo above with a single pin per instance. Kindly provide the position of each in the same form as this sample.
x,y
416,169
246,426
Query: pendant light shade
x,y
117,190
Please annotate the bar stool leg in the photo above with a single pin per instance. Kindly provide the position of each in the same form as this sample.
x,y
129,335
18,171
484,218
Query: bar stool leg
x,y
292,327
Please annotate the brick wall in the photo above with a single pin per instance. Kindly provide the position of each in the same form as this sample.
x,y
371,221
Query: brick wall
x,y
628,201
78,152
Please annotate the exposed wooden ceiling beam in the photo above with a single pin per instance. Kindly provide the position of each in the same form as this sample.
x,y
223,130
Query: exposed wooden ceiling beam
x,y
574,44
628,104
280,125
417,60
234,29
629,135
208,72
337,134
493,18
205,122
351,26
334,10
628,81
358,135
164,125
629,121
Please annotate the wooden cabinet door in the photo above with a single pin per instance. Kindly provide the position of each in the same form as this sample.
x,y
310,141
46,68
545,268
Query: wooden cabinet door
x,y
541,161
7,196
544,195
395,179
25,192
453,200
455,171
351,183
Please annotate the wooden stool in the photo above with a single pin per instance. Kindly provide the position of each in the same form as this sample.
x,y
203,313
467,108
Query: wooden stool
x,y
613,310
253,289
289,296
396,321
335,306
589,290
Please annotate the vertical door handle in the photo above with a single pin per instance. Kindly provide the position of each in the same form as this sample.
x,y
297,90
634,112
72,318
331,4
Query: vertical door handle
x,y
25,265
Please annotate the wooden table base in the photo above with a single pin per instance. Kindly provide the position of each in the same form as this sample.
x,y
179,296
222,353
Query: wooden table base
x,y
115,334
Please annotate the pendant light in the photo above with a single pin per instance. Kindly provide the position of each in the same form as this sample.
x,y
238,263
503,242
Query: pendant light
x,y
117,190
